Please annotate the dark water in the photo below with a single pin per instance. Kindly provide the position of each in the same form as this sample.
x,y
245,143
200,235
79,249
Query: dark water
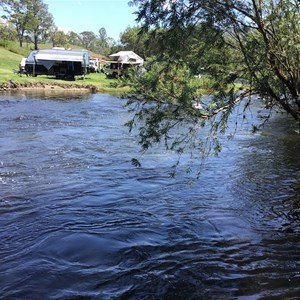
x,y
78,221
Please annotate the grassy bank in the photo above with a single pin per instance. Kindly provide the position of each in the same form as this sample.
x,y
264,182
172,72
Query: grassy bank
x,y
9,61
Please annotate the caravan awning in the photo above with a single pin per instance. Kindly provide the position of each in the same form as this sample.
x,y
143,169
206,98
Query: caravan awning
x,y
59,56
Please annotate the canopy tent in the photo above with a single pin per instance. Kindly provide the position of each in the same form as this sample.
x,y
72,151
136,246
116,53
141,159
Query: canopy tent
x,y
127,57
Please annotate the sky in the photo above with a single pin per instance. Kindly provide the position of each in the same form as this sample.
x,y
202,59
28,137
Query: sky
x,y
91,15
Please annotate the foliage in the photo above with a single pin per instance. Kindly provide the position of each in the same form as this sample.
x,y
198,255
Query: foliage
x,y
87,39
131,39
103,42
164,103
58,37
255,43
99,44
40,21
32,20
73,38
14,47
145,43
17,12
8,32
28,16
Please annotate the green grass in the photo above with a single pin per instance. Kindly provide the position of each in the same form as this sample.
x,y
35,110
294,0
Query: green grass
x,y
14,47
9,61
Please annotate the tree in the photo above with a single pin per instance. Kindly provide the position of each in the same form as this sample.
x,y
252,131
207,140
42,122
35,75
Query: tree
x,y
29,16
132,40
40,20
8,31
103,42
146,44
18,16
88,39
73,38
58,37
254,41
103,35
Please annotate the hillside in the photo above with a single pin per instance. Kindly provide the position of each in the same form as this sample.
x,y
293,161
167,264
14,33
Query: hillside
x,y
14,47
8,62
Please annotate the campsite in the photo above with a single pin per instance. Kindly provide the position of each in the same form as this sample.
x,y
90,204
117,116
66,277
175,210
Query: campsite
x,y
77,66
66,64
10,78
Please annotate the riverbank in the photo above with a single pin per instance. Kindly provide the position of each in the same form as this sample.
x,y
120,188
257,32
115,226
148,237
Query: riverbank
x,y
58,85
13,85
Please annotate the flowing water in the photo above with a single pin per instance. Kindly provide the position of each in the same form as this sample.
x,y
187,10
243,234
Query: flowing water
x,y
78,221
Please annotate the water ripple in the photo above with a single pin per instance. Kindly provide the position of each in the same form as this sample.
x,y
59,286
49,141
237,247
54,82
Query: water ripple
x,y
79,222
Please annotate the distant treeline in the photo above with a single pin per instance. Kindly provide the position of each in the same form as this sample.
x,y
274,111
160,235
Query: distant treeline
x,y
29,21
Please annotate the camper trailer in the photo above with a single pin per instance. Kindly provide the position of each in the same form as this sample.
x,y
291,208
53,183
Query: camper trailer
x,y
94,65
61,63
122,61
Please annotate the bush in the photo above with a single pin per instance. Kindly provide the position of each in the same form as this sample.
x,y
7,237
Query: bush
x,y
13,46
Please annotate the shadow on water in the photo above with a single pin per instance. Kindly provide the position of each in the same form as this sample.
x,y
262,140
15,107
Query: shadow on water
x,y
78,221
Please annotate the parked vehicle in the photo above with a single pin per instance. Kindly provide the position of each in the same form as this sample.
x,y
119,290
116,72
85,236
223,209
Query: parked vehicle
x,y
94,65
61,63
121,62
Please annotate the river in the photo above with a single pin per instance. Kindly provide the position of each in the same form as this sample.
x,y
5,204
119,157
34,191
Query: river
x,y
78,221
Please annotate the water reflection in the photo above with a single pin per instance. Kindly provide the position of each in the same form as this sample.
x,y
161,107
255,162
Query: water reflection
x,y
77,221
47,93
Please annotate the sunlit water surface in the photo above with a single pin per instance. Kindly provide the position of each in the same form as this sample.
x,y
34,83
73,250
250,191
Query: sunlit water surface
x,y
78,221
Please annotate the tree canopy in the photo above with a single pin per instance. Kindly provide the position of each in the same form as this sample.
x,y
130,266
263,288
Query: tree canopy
x,y
255,43
30,17
17,12
40,20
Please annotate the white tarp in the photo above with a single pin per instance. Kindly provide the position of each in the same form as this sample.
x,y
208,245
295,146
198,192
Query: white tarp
x,y
127,57
59,56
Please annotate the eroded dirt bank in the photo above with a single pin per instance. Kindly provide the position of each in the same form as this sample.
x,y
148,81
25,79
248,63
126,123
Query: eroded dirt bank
x,y
11,85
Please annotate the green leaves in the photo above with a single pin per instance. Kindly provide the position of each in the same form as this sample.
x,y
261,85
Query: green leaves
x,y
135,162
30,16
208,50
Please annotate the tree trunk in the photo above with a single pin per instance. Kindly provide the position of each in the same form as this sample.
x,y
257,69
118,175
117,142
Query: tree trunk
x,y
20,37
35,42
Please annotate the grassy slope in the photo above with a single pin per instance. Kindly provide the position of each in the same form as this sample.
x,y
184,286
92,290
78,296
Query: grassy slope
x,y
10,61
